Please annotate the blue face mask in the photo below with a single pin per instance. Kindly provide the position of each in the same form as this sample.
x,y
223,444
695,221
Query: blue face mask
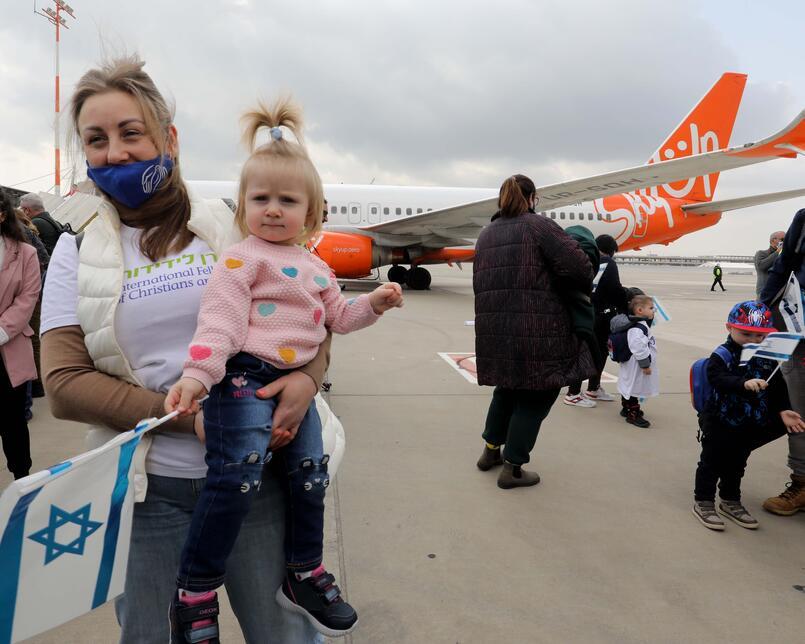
x,y
132,184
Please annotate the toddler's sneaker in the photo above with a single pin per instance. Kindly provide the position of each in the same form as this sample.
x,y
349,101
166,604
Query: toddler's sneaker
x,y
599,394
577,400
319,600
736,512
705,511
194,619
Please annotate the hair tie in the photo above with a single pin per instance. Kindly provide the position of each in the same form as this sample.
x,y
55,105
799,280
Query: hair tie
x,y
276,133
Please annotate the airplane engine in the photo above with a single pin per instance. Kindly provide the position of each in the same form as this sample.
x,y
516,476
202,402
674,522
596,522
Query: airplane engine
x,y
348,255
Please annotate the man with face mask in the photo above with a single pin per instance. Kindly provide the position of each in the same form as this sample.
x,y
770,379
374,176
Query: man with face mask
x,y
764,259
49,229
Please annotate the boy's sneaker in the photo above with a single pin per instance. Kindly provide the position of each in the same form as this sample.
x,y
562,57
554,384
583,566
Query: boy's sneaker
x,y
577,400
319,600
705,511
599,394
635,417
736,512
194,619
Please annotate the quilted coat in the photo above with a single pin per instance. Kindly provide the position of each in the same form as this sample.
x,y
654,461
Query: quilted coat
x,y
523,332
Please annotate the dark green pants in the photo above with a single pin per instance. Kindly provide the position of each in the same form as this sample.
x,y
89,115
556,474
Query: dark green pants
x,y
514,418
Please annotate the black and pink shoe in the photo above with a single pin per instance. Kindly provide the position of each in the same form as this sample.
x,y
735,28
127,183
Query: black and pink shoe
x,y
319,600
194,619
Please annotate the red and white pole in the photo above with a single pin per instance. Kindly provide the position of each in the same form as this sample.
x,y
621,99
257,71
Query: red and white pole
x,y
56,124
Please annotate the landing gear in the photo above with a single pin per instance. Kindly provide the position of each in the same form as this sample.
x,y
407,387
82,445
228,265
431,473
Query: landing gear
x,y
398,274
418,278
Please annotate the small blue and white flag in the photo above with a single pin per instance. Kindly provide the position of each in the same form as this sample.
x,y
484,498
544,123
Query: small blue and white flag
x,y
660,312
791,305
65,537
775,346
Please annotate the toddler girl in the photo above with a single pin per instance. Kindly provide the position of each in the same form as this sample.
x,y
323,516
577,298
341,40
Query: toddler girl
x,y
266,310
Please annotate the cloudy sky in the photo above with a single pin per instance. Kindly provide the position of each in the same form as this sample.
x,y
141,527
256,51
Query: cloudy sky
x,y
440,92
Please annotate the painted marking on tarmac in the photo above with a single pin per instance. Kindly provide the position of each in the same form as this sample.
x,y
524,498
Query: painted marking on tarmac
x,y
463,363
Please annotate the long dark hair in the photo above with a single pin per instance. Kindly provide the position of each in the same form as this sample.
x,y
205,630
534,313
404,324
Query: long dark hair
x,y
515,193
10,227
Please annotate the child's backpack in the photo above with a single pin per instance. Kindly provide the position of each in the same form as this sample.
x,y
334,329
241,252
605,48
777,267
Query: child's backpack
x,y
618,343
700,389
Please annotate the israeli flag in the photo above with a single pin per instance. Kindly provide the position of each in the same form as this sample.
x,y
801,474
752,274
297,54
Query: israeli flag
x,y
65,537
775,346
660,312
791,305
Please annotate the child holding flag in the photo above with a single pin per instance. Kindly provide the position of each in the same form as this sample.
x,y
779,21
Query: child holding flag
x,y
746,409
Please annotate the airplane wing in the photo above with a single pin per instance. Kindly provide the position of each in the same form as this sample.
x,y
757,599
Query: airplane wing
x,y
465,221
724,205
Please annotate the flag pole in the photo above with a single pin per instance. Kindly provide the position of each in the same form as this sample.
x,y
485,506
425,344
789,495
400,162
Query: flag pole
x,y
776,369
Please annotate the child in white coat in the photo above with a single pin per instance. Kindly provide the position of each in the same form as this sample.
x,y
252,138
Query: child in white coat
x,y
638,377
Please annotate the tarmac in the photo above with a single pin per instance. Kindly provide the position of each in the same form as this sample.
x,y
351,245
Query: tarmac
x,y
604,549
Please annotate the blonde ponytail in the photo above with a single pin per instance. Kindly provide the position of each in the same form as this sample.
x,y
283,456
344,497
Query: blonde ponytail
x,y
279,149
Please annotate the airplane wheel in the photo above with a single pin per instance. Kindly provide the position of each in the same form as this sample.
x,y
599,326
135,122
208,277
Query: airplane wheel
x,y
418,278
398,274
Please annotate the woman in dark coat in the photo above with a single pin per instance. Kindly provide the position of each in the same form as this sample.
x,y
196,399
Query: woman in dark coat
x,y
524,340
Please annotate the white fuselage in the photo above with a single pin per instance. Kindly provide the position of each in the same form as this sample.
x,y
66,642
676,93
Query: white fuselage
x,y
366,205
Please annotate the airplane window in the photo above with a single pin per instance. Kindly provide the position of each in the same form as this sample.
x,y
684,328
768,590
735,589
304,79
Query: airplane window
x,y
333,209
374,210
571,215
343,210
407,211
599,216
385,211
398,211
418,210
553,215
561,215
609,217
354,210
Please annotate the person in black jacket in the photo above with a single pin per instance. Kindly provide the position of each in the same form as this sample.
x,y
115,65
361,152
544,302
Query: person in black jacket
x,y
747,408
609,299
791,260
49,229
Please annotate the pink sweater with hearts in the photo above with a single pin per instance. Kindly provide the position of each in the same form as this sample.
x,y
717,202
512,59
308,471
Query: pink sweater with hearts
x,y
274,302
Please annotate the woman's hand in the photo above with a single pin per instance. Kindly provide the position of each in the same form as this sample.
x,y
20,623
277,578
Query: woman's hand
x,y
198,427
294,393
793,421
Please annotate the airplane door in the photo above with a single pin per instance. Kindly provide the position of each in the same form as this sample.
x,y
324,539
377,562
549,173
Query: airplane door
x,y
354,213
640,225
373,213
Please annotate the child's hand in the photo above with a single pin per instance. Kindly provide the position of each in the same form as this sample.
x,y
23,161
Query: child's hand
x,y
647,370
385,297
184,396
793,421
755,384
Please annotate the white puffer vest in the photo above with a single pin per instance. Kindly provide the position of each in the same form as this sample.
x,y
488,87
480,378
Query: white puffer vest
x,y
100,282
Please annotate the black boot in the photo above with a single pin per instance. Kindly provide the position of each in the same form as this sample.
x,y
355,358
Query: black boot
x,y
489,459
515,476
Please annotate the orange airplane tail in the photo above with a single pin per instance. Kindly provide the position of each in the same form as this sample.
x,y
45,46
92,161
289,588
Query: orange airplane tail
x,y
706,128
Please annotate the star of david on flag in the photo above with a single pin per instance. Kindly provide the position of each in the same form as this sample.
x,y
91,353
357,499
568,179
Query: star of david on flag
x,y
49,536
64,537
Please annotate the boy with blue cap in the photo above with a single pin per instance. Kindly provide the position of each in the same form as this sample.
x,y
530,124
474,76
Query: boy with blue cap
x,y
745,410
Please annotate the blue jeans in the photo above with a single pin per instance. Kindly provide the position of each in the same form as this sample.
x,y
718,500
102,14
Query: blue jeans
x,y
255,569
238,430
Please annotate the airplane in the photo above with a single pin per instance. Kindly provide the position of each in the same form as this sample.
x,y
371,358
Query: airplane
x,y
372,226
670,196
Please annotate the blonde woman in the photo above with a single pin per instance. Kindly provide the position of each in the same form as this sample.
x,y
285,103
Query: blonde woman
x,y
119,311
